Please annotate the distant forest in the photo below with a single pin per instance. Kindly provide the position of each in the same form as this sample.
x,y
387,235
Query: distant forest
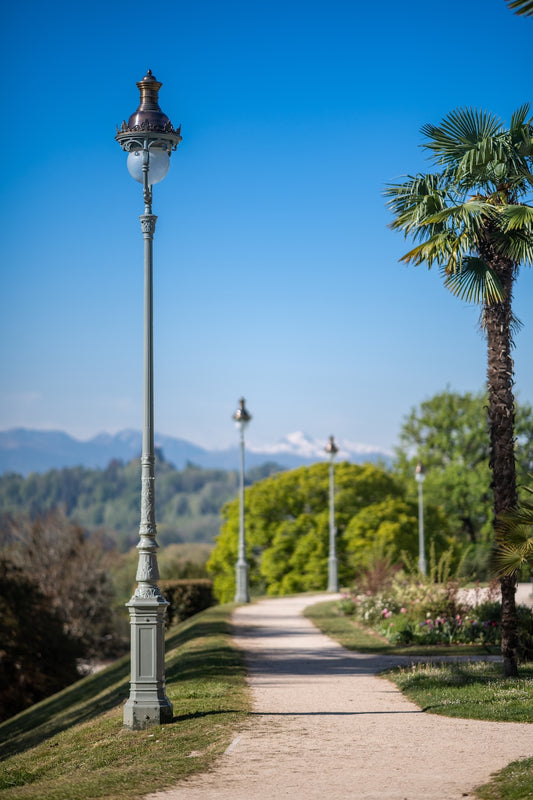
x,y
188,501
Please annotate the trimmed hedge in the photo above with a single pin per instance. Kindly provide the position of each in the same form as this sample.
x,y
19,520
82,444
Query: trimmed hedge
x,y
186,598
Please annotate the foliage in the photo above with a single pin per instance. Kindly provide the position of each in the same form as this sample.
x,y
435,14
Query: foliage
x,y
73,744
287,528
417,610
449,434
524,7
69,569
36,660
186,598
188,502
387,530
514,540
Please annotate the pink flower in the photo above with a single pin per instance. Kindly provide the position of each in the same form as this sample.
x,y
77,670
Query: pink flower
x,y
403,611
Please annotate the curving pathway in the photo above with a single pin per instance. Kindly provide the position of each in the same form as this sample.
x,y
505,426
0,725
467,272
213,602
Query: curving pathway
x,y
324,727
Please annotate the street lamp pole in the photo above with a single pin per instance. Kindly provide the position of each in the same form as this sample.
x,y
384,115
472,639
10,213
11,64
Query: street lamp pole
x,y
420,476
149,138
242,594
333,578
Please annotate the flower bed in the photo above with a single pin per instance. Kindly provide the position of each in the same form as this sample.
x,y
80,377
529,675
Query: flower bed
x,y
422,613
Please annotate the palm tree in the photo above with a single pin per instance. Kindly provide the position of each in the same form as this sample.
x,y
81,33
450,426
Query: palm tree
x,y
524,7
469,218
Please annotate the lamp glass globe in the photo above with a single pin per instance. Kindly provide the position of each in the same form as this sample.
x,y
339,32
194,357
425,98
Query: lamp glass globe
x,y
158,164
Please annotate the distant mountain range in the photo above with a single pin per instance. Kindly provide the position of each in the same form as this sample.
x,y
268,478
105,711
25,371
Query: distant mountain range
x,y
25,451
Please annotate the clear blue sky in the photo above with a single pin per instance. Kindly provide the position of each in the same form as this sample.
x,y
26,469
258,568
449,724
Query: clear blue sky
x,y
276,276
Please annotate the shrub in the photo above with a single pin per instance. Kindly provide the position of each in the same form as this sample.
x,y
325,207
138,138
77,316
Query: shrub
x,y
37,656
186,598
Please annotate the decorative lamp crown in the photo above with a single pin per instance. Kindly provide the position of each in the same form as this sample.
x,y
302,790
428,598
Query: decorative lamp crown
x,y
242,415
149,119
420,472
331,448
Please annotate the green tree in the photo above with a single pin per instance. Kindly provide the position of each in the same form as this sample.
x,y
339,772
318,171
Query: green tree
x,y
449,434
469,218
37,656
287,528
69,569
390,528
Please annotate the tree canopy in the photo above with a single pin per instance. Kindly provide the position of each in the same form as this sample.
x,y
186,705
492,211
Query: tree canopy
x,y
449,434
188,501
287,528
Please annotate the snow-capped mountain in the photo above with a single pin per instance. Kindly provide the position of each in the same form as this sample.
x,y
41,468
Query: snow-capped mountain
x,y
25,451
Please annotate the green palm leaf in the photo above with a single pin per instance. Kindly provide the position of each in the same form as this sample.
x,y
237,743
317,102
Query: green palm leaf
x,y
465,138
474,282
517,217
524,7
514,540
444,248
472,215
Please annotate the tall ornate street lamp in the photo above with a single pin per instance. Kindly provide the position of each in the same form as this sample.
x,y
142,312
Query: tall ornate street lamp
x,y
242,594
333,578
149,138
420,476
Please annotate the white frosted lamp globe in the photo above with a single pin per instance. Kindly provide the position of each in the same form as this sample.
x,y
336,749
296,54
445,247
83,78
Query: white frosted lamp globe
x,y
158,164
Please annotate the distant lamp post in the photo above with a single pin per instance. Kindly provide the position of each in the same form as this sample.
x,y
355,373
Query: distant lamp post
x,y
333,577
149,138
420,476
242,593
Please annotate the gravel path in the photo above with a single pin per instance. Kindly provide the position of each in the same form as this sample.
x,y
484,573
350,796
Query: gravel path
x,y
324,727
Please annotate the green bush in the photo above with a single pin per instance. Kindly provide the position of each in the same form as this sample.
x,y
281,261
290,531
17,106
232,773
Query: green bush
x,y
186,598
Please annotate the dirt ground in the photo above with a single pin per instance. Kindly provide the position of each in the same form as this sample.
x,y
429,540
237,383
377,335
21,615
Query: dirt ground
x,y
325,727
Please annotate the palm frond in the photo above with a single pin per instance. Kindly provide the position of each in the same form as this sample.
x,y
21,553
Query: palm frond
x,y
508,561
474,282
524,7
467,214
464,138
416,199
520,117
515,244
444,248
514,540
518,217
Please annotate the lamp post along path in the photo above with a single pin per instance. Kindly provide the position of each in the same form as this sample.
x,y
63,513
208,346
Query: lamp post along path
x,y
420,476
149,138
333,577
242,592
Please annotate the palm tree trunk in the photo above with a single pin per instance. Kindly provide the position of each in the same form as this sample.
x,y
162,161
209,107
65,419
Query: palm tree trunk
x,y
498,322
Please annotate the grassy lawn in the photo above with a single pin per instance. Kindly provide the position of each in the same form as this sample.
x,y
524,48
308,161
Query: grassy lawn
x,y
474,690
73,745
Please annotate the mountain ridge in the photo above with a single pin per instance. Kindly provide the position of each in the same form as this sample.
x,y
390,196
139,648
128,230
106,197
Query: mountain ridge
x,y
26,450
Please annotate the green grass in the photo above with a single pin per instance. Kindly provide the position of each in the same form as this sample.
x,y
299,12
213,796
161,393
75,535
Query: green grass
x,y
515,782
472,690
73,746
354,636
